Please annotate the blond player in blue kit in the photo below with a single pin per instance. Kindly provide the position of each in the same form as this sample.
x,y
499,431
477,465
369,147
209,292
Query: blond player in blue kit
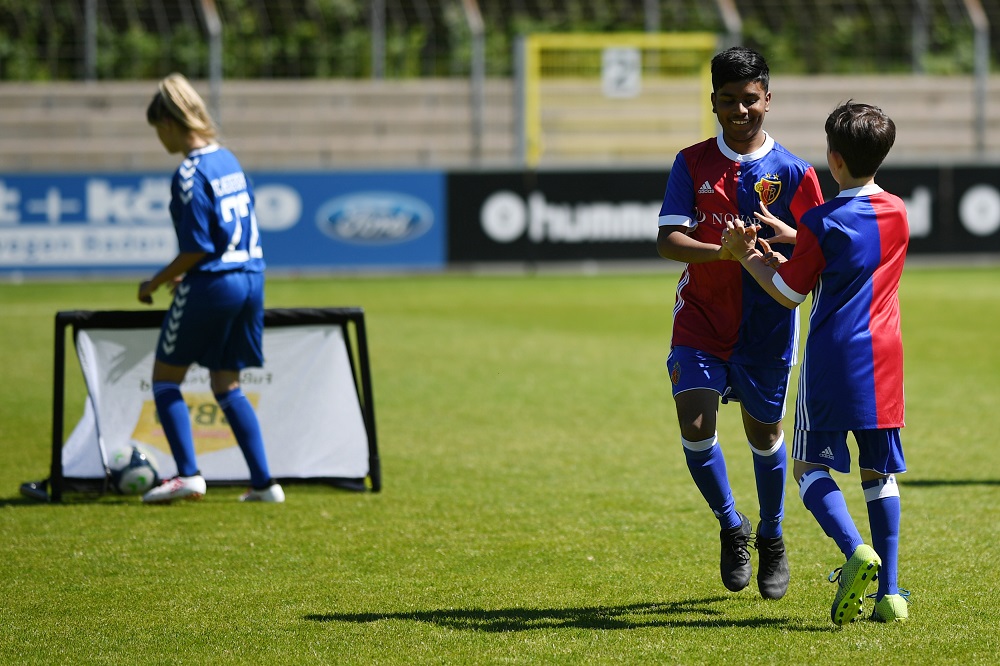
x,y
849,254
216,318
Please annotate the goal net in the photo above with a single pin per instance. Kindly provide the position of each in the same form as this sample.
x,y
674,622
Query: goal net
x,y
614,97
313,398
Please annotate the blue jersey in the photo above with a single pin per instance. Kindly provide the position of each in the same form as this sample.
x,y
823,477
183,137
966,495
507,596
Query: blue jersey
x,y
720,308
850,253
212,207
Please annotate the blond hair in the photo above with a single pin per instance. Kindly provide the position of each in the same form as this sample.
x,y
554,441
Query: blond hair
x,y
178,99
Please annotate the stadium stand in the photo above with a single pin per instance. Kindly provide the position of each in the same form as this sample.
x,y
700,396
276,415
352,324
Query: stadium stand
x,y
324,124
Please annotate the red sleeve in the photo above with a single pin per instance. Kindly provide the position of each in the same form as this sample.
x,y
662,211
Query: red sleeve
x,y
809,195
802,271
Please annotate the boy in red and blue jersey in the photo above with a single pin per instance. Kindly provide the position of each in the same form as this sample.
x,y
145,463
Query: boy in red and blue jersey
x,y
730,339
849,254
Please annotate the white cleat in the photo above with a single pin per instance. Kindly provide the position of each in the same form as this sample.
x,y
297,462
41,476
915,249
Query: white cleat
x,y
179,487
273,493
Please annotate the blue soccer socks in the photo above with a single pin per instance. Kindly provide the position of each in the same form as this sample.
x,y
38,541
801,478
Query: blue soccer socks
x,y
882,497
176,422
770,468
823,498
708,469
243,420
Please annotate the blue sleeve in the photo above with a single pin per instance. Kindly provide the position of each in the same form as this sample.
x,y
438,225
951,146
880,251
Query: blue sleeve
x,y
679,197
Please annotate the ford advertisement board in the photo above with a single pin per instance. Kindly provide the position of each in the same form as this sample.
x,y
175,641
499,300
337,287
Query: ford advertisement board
x,y
308,221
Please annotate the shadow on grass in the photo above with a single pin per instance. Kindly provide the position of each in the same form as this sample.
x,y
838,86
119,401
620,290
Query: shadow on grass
x,y
691,613
68,500
11,502
937,483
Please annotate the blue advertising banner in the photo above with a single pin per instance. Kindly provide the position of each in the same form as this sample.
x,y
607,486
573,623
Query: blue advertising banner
x,y
308,220
327,220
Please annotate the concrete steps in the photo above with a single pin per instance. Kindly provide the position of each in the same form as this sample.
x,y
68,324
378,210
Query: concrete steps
x,y
428,123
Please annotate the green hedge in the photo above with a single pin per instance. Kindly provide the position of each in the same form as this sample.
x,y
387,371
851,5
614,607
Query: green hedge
x,y
144,39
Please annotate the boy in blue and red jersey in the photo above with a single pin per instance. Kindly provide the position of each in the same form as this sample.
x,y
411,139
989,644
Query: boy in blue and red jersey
x,y
849,254
730,339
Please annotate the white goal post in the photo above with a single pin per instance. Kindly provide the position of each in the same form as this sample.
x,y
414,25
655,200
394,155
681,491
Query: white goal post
x,y
313,398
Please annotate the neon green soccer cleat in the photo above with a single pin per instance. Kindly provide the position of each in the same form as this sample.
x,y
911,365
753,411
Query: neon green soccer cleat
x,y
892,607
853,579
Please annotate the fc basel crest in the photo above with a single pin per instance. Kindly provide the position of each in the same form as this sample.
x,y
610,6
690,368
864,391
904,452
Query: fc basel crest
x,y
768,187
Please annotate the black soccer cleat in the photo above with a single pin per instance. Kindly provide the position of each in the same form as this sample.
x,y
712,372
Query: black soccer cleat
x,y
734,564
772,567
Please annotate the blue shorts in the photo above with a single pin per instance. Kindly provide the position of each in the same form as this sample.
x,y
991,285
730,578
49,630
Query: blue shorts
x,y
880,450
216,320
760,389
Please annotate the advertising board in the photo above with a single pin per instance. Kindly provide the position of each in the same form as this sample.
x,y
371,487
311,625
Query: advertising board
x,y
106,223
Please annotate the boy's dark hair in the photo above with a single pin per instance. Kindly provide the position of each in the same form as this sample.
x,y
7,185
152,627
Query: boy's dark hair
x,y
862,134
739,64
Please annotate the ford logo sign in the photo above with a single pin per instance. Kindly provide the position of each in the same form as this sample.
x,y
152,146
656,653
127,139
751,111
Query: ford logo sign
x,y
374,218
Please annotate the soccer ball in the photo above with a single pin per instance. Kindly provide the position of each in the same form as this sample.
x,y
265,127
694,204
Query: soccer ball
x,y
133,471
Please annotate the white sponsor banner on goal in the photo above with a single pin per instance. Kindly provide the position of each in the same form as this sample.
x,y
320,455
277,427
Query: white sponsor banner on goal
x,y
305,398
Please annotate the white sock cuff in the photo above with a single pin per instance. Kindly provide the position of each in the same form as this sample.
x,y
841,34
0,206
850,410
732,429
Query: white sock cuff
x,y
700,446
771,451
886,488
810,478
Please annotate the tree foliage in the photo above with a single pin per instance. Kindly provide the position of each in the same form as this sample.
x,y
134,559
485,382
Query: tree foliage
x,y
45,40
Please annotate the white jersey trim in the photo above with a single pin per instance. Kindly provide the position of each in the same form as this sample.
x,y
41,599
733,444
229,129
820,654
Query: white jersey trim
x,y
787,291
755,155
204,150
863,191
677,221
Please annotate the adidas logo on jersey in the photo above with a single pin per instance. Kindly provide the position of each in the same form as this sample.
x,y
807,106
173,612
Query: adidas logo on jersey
x,y
826,453
705,188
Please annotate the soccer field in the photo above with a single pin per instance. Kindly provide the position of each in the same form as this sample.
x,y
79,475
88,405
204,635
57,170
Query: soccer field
x,y
536,508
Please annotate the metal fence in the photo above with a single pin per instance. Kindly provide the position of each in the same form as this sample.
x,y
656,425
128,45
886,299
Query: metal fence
x,y
143,39
475,40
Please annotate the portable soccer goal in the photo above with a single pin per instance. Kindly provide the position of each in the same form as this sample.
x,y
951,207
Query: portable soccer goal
x,y
313,398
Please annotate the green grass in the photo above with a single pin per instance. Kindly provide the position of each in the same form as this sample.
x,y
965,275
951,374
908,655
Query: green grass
x,y
536,506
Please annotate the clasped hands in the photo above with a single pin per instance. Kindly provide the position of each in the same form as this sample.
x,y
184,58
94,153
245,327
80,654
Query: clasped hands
x,y
740,240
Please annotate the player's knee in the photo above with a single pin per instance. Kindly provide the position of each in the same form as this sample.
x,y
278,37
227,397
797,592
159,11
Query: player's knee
x,y
224,381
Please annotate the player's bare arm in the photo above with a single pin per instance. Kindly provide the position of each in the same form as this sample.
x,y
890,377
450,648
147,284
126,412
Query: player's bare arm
x,y
674,243
181,264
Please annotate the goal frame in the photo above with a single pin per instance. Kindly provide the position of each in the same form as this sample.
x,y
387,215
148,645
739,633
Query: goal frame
x,y
529,64
351,320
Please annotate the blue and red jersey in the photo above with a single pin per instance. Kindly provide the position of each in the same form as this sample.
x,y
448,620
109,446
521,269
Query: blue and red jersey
x,y
720,308
849,254
212,207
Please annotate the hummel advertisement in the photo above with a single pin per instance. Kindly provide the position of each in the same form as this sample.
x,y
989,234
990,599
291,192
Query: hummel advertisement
x,y
308,221
552,216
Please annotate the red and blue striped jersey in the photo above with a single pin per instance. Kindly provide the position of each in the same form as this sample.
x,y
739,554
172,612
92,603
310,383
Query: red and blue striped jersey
x,y
849,254
719,307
